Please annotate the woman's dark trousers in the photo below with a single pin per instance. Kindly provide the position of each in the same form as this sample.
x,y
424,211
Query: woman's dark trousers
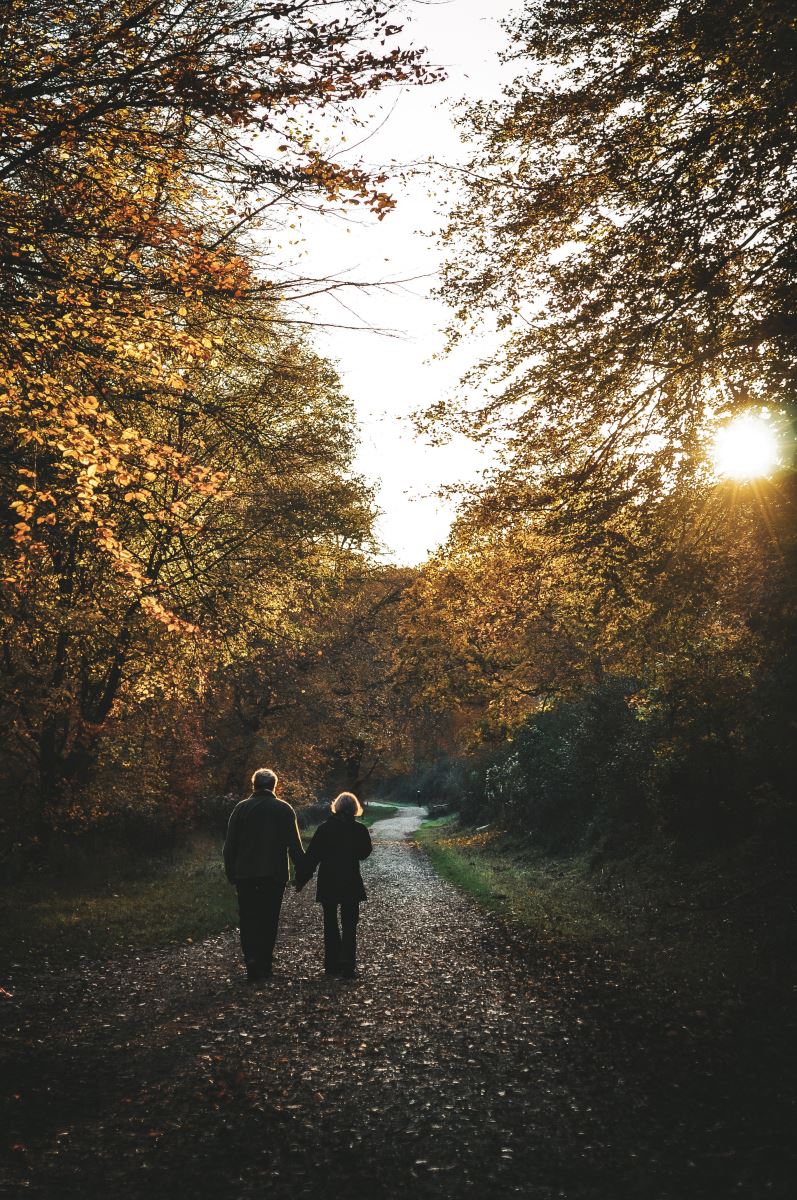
x,y
340,938
259,903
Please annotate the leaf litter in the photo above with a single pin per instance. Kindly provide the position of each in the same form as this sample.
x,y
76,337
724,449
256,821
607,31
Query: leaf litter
x,y
461,1059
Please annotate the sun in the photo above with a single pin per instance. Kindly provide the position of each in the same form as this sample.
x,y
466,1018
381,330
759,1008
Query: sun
x,y
747,447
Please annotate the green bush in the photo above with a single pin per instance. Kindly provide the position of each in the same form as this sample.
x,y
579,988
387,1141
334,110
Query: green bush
x,y
702,763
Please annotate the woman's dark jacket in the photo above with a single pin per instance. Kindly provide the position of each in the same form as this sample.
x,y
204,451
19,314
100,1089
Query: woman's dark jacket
x,y
337,848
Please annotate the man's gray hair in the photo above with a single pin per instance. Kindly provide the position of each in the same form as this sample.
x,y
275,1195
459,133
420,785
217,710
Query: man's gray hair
x,y
264,780
347,805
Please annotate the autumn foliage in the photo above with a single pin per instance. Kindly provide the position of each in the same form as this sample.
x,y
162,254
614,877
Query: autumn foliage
x,y
176,456
614,622
186,583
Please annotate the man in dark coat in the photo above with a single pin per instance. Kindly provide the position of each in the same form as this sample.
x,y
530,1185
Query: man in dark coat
x,y
337,848
262,833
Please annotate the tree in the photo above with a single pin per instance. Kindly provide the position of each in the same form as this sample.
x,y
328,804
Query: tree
x,y
645,682
627,224
333,705
137,142
628,221
232,569
169,448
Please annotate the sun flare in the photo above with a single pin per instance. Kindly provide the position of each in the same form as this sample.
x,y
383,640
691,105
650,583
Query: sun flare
x,y
746,448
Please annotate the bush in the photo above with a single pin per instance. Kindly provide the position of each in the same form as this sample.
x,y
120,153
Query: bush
x,y
312,814
440,781
703,762
570,774
213,812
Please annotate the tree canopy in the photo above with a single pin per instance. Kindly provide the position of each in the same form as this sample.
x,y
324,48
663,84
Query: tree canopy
x,y
185,546
177,483
626,229
629,222
138,143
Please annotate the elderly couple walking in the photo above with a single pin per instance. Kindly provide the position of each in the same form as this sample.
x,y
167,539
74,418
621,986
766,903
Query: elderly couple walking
x,y
262,834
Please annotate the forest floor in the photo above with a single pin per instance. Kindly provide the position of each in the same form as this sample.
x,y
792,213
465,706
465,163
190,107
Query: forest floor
x,y
462,1060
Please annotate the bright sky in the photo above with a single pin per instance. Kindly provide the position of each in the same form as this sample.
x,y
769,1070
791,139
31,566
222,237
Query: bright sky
x,y
388,377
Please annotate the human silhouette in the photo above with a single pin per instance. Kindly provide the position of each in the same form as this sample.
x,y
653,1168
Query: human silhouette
x,y
337,848
261,834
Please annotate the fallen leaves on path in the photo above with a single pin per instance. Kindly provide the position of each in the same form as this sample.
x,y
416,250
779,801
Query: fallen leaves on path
x,y
460,1062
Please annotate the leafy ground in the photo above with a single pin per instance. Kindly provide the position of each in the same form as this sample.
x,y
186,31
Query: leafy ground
x,y
463,1058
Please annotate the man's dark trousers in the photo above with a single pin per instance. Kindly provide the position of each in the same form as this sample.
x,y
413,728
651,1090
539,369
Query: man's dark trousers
x,y
340,941
259,903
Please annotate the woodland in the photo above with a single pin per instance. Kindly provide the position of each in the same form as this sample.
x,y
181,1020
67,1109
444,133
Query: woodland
x,y
604,648
597,672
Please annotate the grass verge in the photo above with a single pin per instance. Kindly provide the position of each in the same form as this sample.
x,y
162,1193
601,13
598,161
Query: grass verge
x,y
711,928
151,903
379,812
178,899
548,899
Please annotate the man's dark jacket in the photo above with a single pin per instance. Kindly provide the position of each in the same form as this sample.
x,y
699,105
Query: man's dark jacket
x,y
261,834
337,848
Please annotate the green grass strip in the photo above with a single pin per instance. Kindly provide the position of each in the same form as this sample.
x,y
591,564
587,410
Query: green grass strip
x,y
178,900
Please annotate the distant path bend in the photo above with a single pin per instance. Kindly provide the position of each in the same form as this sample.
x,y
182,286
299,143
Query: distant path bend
x,y
396,829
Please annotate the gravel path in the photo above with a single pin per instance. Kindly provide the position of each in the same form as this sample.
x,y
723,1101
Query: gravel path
x,y
456,1064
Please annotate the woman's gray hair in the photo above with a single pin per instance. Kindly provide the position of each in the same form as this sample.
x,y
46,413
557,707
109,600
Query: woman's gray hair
x,y
264,780
347,805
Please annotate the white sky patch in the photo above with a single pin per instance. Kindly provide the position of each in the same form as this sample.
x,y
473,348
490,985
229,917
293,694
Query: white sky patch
x,y
390,375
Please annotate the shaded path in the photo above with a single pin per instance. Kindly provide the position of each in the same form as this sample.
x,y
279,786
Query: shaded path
x,y
452,1066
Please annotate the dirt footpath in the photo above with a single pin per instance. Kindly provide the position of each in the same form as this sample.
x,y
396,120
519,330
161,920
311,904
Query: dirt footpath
x,y
460,1063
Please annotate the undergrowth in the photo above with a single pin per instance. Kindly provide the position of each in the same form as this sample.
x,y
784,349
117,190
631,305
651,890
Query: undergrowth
x,y
720,929
142,904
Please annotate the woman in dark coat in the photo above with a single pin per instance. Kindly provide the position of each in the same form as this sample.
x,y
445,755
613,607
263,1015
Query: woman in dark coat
x,y
337,848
